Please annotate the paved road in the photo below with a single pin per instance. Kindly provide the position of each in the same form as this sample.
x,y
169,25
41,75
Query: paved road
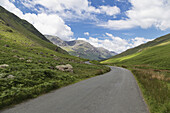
x,y
113,92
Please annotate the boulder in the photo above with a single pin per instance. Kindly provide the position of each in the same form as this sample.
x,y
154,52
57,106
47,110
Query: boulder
x,y
16,56
22,58
10,76
15,51
29,61
4,65
6,45
65,68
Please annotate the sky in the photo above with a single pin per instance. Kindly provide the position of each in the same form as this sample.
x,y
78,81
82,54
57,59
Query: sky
x,y
116,25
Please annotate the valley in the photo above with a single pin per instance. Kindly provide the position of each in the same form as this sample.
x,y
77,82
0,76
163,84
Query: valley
x,y
44,73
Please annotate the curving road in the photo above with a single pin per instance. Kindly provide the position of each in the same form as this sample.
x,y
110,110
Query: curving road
x,y
113,92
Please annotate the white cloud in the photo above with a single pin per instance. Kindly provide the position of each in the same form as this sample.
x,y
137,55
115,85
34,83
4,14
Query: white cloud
x,y
50,24
115,44
108,10
11,7
86,33
139,40
73,9
145,14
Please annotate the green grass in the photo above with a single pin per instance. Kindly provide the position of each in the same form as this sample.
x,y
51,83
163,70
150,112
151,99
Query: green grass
x,y
154,57
157,41
155,91
150,64
26,29
40,75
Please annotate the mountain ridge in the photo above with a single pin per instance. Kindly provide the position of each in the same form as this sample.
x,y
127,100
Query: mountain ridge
x,y
81,48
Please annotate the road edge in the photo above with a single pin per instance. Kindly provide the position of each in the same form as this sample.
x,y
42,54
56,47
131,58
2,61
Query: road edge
x,y
140,92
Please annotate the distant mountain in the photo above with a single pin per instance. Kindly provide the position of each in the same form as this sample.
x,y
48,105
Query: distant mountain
x,y
82,48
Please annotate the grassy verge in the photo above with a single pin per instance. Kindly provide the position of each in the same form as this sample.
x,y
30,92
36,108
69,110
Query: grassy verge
x,y
155,90
155,86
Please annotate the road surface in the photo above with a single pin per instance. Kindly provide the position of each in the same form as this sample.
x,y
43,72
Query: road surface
x,y
113,92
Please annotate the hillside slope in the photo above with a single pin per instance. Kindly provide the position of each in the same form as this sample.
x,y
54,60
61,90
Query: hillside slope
x,y
29,63
150,64
26,29
143,46
155,53
82,49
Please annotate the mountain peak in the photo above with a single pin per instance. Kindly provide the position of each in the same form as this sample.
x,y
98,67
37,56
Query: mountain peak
x,y
82,48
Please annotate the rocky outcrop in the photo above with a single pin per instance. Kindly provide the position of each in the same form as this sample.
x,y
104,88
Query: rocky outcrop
x,y
10,76
4,65
65,68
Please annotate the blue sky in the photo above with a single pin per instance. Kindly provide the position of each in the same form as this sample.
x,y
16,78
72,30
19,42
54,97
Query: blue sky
x,y
116,25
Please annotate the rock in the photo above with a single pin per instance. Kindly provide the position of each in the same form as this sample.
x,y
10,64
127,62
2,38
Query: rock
x,y
29,61
29,57
14,51
6,45
10,76
22,58
55,58
51,67
9,30
16,56
4,65
40,61
65,68
41,53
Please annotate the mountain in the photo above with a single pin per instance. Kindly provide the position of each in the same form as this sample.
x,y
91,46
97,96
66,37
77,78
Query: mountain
x,y
81,48
155,53
31,65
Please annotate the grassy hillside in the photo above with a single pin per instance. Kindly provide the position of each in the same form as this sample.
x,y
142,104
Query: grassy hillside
x,y
28,62
26,29
157,57
143,46
150,64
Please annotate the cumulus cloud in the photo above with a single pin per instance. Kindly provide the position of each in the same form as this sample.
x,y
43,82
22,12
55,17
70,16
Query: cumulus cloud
x,y
115,44
138,41
11,7
73,8
145,14
86,33
109,10
50,24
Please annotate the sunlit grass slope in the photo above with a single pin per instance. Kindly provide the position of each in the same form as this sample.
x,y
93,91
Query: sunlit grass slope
x,y
156,57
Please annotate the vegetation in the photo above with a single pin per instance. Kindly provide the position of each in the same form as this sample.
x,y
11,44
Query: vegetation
x,y
150,64
28,62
